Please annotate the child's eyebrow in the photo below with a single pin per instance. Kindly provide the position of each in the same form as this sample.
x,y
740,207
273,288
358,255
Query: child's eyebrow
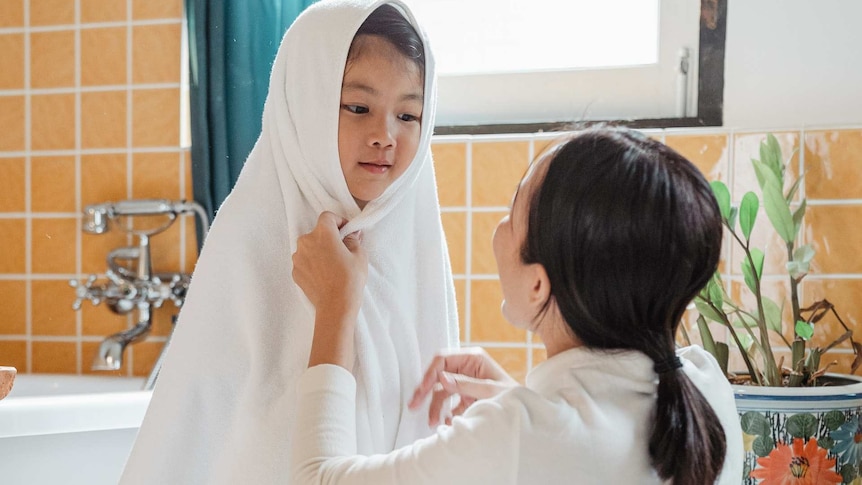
x,y
370,90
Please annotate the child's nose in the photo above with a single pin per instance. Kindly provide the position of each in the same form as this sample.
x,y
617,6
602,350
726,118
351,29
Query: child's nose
x,y
382,133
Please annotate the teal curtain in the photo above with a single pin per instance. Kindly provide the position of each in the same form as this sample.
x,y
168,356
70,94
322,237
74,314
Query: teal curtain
x,y
232,44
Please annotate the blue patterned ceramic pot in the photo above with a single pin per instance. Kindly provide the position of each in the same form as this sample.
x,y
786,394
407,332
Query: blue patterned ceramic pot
x,y
810,435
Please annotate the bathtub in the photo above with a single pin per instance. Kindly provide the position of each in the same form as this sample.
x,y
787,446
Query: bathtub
x,y
68,429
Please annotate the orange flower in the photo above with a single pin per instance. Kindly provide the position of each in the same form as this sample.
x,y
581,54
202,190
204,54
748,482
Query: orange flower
x,y
802,464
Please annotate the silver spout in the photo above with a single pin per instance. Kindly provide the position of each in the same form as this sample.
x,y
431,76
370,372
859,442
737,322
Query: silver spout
x,y
110,355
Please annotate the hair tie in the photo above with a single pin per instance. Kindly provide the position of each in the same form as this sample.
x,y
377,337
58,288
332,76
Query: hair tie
x,y
667,365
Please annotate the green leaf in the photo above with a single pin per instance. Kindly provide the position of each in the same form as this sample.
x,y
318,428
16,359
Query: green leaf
x,y
776,207
772,314
748,213
745,341
793,190
745,320
755,423
752,276
715,292
826,442
722,195
798,214
706,336
770,154
833,420
762,445
802,425
707,311
804,329
803,254
796,269
722,355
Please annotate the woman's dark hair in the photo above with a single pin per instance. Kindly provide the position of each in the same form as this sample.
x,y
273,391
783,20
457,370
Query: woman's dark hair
x,y
628,232
388,22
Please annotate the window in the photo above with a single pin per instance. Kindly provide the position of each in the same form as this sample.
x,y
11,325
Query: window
x,y
504,62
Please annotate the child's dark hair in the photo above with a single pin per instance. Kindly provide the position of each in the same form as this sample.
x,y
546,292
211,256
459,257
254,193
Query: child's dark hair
x,y
629,231
388,22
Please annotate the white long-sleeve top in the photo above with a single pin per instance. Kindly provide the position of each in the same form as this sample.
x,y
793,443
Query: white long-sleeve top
x,y
584,417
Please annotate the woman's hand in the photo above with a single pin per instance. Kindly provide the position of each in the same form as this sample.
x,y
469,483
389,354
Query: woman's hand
x,y
332,274
468,372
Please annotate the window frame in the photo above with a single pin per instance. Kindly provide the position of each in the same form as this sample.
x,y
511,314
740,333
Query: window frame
x,y
710,88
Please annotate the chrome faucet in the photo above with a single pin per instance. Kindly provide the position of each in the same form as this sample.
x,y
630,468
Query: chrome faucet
x,y
127,290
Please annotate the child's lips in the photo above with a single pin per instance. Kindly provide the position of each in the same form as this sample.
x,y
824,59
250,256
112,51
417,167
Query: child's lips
x,y
376,166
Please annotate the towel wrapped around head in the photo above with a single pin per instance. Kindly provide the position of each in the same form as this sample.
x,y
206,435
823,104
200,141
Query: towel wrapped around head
x,y
225,399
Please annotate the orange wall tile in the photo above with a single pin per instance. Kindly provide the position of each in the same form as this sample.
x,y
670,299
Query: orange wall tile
x,y
14,353
102,11
156,117
50,316
12,60
12,178
484,225
12,119
12,240
833,164
87,139
13,310
52,59
455,228
52,12
155,54
52,184
497,168
156,9
450,169
103,56
12,13
103,119
836,234
55,357
54,247
53,122
708,152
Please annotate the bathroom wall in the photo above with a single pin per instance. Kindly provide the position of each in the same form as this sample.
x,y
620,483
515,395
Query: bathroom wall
x,y
90,98
477,176
90,111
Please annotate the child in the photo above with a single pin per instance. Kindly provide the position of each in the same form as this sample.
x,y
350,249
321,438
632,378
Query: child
x,y
609,237
346,128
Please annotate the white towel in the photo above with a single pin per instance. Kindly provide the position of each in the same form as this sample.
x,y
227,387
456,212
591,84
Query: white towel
x,y
224,404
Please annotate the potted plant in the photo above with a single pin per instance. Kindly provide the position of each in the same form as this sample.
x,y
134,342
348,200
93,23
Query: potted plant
x,y
800,423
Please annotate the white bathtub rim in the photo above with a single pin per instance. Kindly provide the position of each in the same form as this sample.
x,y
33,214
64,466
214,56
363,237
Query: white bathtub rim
x,y
41,415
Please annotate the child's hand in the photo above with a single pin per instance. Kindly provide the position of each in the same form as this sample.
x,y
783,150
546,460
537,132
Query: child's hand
x,y
468,372
331,272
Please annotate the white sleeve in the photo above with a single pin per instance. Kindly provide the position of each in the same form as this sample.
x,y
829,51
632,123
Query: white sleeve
x,y
479,447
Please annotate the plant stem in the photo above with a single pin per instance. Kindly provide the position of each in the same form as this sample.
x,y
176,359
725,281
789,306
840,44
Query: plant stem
x,y
794,288
773,376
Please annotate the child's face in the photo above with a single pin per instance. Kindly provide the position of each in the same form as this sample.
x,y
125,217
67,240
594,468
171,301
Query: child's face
x,y
379,122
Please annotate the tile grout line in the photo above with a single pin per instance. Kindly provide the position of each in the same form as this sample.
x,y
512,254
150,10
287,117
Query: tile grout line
x,y
28,179
468,244
129,143
79,117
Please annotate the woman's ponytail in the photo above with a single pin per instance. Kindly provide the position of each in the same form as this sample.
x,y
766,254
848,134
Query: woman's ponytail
x,y
687,444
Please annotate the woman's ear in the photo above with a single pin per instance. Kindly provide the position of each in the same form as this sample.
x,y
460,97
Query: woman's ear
x,y
540,288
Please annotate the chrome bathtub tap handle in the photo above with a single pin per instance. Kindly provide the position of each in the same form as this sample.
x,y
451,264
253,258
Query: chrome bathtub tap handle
x,y
85,291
